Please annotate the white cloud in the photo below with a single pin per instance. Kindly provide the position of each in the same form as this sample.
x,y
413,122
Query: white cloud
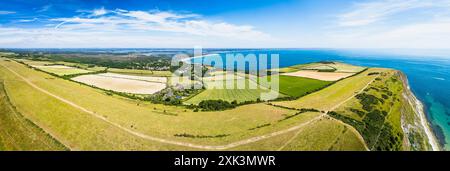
x,y
122,28
45,8
98,12
416,24
159,21
363,14
6,12
27,20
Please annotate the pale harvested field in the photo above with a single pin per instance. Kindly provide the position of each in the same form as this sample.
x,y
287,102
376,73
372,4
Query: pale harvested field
x,y
134,77
121,84
324,76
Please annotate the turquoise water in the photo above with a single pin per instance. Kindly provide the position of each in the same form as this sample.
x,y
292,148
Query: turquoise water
x,y
429,77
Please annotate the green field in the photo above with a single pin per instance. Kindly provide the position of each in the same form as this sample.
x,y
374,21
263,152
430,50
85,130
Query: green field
x,y
61,68
64,71
333,95
288,86
66,120
81,66
221,90
85,118
299,86
324,135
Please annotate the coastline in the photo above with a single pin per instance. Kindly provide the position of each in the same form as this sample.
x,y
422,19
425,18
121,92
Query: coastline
x,y
419,110
187,60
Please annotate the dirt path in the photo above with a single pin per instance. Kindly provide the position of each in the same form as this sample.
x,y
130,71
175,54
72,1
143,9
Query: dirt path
x,y
351,97
161,140
351,127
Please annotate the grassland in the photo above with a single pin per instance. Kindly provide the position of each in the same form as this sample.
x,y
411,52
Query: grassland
x,y
376,114
333,95
323,135
19,133
61,63
65,120
62,70
84,118
227,89
298,86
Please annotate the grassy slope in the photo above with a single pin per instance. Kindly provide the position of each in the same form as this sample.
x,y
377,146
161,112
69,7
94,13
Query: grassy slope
x,y
19,133
323,135
235,122
64,121
75,128
64,71
382,131
340,67
332,95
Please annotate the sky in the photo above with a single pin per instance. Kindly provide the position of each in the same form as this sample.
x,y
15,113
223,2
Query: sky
x,y
405,24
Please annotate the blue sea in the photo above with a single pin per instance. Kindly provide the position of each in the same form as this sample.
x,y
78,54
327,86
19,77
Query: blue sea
x,y
429,76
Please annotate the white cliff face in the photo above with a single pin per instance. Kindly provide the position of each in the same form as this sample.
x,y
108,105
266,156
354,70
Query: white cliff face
x,y
419,124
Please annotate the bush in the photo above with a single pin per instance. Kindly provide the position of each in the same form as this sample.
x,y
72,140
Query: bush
x,y
216,105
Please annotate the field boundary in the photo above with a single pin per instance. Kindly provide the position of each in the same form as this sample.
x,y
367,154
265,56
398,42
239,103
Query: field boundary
x,y
166,141
161,140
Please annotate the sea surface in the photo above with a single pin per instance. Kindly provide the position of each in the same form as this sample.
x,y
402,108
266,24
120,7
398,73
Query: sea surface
x,y
429,76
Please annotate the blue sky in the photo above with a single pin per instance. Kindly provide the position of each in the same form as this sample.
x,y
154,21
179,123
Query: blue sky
x,y
231,23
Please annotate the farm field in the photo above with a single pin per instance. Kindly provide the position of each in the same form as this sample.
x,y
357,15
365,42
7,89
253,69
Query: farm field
x,y
324,76
229,87
81,66
236,122
331,96
134,77
298,86
288,86
112,122
61,70
326,66
140,72
123,83
58,66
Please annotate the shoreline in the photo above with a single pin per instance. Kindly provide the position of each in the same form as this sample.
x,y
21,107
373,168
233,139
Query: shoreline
x,y
420,110
188,60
